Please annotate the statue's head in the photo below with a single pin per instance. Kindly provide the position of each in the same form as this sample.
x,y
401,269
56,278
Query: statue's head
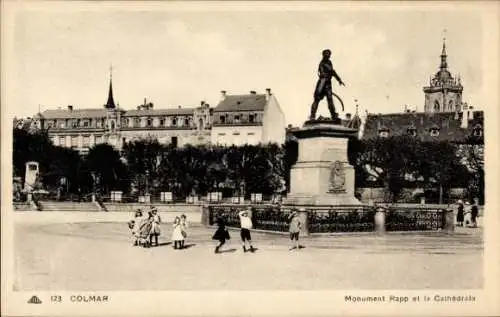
x,y
327,53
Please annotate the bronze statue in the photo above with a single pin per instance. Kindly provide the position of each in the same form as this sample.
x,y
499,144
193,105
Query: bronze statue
x,y
324,86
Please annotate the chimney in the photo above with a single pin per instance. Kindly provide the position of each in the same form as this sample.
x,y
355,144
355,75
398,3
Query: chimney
x,y
222,95
70,108
202,103
252,92
406,108
268,93
144,101
138,107
348,116
179,107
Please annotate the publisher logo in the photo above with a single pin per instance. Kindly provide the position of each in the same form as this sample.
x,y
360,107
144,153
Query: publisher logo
x,y
34,300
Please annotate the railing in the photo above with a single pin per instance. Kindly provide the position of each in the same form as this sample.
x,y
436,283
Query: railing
x,y
264,217
336,219
342,219
414,219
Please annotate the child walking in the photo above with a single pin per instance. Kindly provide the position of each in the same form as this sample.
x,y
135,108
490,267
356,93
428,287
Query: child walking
x,y
246,225
294,229
134,225
221,234
177,236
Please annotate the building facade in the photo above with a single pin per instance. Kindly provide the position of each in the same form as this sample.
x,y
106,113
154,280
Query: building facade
x,y
241,119
248,119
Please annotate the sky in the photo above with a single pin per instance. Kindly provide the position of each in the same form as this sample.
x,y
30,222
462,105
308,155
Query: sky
x,y
181,57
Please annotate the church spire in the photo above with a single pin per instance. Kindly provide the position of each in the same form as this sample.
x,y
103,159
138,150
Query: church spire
x,y
110,104
444,64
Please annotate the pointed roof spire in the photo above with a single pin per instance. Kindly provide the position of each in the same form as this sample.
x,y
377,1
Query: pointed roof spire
x,y
444,64
110,104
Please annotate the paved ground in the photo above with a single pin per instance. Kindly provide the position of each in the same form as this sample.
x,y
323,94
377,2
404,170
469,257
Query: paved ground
x,y
99,256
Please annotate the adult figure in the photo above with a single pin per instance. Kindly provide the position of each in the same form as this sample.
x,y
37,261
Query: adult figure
x,y
324,85
294,229
474,212
460,214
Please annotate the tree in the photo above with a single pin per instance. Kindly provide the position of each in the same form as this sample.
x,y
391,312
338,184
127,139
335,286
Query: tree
x,y
110,172
143,160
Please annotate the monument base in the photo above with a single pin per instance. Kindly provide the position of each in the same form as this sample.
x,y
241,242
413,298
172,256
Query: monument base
x,y
322,174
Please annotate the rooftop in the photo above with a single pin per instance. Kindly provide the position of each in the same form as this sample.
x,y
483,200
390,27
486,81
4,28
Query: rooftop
x,y
249,102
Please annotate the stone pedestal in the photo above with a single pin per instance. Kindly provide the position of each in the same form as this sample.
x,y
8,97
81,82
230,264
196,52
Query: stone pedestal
x,y
322,174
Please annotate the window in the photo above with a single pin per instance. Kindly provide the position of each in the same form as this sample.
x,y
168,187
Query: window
x,y
61,124
174,121
78,123
181,122
477,131
162,122
450,105
222,119
137,122
174,141
74,141
434,132
149,122
222,133
112,125
200,124
436,105
251,118
412,131
91,122
236,119
86,141
125,122
85,123
251,133
236,133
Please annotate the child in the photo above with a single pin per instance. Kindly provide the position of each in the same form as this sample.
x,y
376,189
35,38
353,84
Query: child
x,y
177,236
155,230
294,229
246,225
134,224
184,226
221,234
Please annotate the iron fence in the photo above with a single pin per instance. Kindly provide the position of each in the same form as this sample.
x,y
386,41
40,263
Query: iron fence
x,y
341,219
414,219
264,217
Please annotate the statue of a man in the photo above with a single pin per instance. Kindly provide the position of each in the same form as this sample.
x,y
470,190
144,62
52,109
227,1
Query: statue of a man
x,y
324,85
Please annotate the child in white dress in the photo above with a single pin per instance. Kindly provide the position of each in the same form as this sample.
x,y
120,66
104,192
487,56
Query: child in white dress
x,y
155,230
177,235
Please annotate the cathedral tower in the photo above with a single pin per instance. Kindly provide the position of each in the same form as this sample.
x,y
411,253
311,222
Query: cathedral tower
x,y
444,93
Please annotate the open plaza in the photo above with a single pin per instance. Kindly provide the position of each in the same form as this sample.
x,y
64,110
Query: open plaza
x,y
72,254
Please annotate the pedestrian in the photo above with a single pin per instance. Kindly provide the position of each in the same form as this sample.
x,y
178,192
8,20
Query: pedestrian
x,y
460,214
184,226
155,230
294,229
221,234
134,225
474,212
177,236
467,213
246,225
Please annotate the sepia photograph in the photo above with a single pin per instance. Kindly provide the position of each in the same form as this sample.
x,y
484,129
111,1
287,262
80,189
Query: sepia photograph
x,y
249,148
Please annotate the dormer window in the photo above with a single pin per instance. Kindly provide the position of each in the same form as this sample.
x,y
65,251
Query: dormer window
x,y
222,119
383,132
434,130
477,131
162,122
149,122
412,131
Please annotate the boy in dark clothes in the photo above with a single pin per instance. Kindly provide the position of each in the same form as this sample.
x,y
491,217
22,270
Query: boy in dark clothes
x,y
221,234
